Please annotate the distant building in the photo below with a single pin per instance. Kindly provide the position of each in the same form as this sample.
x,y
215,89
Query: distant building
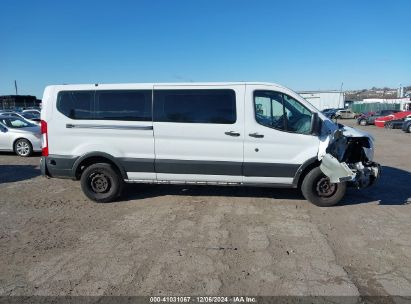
x,y
324,99
18,101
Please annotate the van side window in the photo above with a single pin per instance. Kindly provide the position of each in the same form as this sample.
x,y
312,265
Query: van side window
x,y
128,105
76,104
269,109
282,112
123,105
195,106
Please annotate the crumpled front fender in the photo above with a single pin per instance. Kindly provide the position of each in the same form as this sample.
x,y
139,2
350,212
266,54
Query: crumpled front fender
x,y
336,171
346,156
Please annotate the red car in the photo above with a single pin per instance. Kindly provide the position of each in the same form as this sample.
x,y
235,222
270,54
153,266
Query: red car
x,y
380,121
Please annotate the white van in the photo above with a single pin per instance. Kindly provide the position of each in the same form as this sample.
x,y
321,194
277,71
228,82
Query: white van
x,y
251,134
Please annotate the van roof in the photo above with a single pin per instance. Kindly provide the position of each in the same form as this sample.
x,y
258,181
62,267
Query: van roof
x,y
120,85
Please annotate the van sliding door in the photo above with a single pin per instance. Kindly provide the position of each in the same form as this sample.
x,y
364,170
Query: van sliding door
x,y
199,133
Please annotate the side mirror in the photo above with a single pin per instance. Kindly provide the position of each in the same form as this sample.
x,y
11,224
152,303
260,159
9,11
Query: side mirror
x,y
315,124
3,129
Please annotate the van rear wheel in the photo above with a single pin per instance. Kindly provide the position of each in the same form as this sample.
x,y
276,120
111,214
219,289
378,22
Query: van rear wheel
x,y
101,183
317,188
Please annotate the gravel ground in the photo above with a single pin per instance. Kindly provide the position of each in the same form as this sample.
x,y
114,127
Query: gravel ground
x,y
201,240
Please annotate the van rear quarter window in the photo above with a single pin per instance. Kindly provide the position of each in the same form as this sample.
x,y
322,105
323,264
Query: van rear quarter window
x,y
195,106
76,104
128,105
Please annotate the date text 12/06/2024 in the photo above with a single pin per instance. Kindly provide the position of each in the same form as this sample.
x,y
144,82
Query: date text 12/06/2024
x,y
176,299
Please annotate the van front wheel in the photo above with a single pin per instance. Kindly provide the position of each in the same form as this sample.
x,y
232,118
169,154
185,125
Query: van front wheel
x,y
317,189
101,183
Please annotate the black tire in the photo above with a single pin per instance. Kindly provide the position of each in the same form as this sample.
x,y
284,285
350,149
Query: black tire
x,y
101,183
363,122
390,126
316,190
22,147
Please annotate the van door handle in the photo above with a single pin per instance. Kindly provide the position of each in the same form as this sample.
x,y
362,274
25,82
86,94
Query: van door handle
x,y
256,135
232,133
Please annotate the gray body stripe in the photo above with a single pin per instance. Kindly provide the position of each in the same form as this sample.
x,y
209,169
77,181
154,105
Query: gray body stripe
x,y
137,164
198,167
115,127
270,170
61,165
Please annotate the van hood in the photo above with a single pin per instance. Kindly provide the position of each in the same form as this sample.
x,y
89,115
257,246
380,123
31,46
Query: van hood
x,y
346,155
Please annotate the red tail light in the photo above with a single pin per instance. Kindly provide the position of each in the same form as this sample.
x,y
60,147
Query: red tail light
x,y
45,139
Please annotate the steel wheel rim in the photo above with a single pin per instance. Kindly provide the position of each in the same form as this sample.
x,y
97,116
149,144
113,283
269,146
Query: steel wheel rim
x,y
324,188
99,182
363,122
22,148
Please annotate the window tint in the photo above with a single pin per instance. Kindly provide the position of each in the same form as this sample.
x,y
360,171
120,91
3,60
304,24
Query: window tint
x,y
109,105
123,105
195,106
282,112
76,104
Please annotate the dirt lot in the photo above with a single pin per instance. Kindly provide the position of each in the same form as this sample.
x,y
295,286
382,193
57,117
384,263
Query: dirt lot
x,y
178,240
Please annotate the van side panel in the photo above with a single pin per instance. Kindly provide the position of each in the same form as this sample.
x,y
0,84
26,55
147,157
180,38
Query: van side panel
x,y
131,142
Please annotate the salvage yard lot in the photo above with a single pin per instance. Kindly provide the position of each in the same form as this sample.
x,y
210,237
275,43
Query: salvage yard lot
x,y
201,240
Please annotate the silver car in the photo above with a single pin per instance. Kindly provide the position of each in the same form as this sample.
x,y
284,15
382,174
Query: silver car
x,y
19,135
33,118
345,114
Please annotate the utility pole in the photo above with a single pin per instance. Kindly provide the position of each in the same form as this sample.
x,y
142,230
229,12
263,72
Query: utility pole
x,y
15,86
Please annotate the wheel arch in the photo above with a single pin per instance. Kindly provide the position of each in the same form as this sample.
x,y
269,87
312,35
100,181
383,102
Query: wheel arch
x,y
303,170
96,157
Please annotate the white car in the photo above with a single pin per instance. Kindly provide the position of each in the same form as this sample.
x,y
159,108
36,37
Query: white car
x,y
19,135
32,118
251,134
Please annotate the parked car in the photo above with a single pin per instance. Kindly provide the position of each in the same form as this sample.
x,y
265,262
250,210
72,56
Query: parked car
x,y
199,133
406,127
345,114
35,119
330,113
396,123
32,111
369,118
381,121
19,135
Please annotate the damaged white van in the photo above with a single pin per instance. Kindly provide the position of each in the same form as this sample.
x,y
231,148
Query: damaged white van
x,y
247,134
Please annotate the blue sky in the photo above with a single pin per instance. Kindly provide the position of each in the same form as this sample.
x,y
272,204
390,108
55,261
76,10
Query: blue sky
x,y
305,45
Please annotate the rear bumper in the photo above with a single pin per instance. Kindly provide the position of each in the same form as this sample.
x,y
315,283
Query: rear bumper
x,y
57,166
43,167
